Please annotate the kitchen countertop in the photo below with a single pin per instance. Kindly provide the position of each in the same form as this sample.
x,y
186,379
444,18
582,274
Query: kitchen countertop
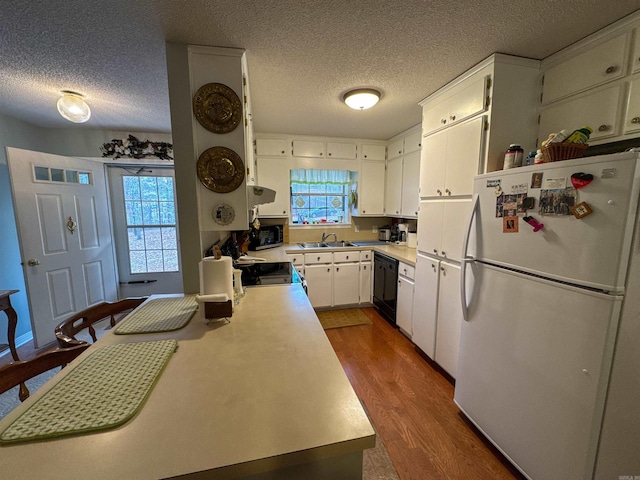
x,y
279,254
262,393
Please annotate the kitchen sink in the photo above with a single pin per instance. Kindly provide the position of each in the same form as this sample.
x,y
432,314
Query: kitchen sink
x,y
313,245
342,243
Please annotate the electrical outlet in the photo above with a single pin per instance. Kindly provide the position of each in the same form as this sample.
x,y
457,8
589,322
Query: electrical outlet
x,y
356,227
374,229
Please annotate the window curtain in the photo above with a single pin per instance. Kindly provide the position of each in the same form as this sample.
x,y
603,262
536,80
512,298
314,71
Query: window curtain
x,y
314,177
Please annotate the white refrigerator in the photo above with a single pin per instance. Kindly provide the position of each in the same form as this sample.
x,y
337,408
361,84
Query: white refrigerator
x,y
542,306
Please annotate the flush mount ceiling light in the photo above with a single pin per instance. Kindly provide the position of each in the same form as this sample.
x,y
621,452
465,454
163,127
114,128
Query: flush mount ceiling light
x,y
72,107
362,98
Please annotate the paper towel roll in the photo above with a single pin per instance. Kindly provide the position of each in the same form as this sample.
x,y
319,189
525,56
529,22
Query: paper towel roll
x,y
216,276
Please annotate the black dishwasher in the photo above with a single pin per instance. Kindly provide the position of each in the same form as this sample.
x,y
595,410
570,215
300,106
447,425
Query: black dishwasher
x,y
385,285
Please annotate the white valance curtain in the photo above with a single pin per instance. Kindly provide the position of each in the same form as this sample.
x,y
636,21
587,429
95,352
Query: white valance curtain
x,y
311,177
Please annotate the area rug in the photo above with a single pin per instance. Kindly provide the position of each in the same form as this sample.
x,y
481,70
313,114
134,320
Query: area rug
x,y
343,318
376,464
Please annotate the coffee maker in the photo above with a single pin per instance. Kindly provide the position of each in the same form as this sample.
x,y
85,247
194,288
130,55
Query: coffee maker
x,y
403,230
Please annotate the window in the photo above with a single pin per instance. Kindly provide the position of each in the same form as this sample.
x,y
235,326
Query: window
x,y
150,217
319,196
60,175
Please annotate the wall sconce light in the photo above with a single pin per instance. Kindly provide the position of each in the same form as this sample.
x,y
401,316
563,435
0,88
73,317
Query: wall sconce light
x,y
72,107
362,98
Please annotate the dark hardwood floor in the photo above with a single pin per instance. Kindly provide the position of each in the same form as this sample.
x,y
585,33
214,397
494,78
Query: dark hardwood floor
x,y
410,402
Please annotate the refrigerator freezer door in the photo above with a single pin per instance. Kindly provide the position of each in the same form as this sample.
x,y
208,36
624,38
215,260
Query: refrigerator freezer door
x,y
592,251
533,368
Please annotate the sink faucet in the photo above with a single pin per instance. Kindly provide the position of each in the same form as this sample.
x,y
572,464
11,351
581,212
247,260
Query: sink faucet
x,y
327,235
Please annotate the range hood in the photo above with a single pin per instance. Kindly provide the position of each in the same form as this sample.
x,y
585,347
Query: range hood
x,y
257,195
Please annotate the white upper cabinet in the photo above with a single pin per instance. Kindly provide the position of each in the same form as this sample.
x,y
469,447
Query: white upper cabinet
x,y
271,147
464,101
396,148
410,184
373,152
371,189
603,63
274,173
632,120
393,190
451,158
600,110
309,148
635,55
341,150
413,142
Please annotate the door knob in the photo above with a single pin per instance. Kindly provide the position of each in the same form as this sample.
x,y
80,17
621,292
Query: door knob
x,y
32,262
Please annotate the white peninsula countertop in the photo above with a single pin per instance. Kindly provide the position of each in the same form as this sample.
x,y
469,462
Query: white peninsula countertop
x,y
263,396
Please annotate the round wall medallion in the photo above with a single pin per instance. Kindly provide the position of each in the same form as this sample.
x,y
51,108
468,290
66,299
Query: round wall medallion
x,y
217,108
220,169
223,214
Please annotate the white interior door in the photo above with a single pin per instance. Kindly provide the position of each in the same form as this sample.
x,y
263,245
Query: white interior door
x,y
65,236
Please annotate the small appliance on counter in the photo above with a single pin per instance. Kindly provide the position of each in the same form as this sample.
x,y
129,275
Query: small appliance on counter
x,y
267,236
403,230
384,234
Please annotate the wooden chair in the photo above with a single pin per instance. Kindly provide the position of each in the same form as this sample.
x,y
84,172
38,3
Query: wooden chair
x,y
67,330
16,373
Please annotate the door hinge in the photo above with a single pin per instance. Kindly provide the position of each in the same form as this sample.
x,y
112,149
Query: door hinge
x,y
486,124
541,96
488,83
538,119
244,80
542,81
487,102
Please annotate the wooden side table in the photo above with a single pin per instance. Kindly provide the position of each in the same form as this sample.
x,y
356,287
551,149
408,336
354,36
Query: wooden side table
x,y
5,305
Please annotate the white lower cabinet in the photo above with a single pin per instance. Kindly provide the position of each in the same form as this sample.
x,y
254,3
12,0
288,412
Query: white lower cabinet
x,y
366,281
319,284
338,278
346,283
404,305
425,304
449,318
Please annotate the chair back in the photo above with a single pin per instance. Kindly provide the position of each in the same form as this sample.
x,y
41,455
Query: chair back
x,y
16,373
66,331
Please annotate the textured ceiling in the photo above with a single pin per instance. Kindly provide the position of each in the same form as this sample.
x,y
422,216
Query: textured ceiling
x,y
302,55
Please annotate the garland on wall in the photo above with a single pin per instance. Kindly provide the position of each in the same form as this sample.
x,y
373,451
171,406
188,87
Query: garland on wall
x,y
131,147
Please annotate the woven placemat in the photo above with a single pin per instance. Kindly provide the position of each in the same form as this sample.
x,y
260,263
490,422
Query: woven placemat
x,y
104,391
159,315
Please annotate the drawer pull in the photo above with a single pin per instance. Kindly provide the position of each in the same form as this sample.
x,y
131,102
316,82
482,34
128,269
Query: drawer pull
x,y
635,120
603,128
611,69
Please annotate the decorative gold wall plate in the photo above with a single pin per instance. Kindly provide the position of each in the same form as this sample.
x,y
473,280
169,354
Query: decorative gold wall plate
x,y
217,108
220,169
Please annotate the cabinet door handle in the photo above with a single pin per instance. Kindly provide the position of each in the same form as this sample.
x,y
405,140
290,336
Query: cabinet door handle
x,y
611,69
439,192
444,254
452,117
635,120
435,251
603,128
448,191
443,121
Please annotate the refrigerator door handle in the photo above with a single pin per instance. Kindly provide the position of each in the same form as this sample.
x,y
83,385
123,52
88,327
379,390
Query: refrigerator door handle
x,y
465,258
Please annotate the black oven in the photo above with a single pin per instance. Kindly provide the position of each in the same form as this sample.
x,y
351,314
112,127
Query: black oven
x,y
269,273
268,236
